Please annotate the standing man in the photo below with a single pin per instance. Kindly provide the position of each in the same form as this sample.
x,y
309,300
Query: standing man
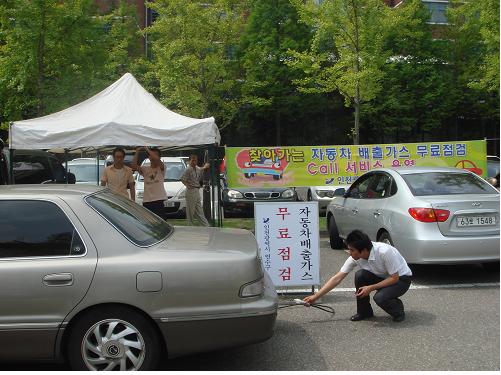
x,y
118,176
154,190
382,269
191,179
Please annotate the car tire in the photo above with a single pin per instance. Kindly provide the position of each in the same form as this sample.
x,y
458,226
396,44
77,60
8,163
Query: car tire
x,y
247,175
140,351
491,266
335,241
276,177
386,238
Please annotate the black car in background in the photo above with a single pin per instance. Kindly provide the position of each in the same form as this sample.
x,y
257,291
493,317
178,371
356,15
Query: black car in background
x,y
33,167
240,201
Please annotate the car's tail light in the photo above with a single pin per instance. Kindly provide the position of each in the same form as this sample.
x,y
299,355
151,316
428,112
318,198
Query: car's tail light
x,y
429,215
252,289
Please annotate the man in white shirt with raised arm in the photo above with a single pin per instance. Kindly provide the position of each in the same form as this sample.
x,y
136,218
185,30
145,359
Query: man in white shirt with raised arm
x,y
382,269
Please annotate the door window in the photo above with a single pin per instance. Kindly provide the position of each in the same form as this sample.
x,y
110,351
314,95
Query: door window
x,y
30,228
360,189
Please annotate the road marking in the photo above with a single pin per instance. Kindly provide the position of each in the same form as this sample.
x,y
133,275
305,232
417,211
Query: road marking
x,y
413,287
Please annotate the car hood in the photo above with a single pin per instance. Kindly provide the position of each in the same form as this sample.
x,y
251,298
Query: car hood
x,y
211,240
171,187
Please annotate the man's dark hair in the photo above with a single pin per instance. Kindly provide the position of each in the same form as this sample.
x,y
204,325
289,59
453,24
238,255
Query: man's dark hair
x,y
156,150
358,240
119,149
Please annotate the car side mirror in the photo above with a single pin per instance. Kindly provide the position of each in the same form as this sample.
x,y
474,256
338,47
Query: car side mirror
x,y
340,192
346,194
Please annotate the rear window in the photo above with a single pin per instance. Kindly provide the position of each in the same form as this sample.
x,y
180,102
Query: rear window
x,y
446,183
135,222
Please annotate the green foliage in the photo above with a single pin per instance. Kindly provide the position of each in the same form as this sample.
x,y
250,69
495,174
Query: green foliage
x,y
346,53
193,44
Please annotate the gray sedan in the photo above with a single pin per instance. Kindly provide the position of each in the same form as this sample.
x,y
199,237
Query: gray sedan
x,y
431,215
92,278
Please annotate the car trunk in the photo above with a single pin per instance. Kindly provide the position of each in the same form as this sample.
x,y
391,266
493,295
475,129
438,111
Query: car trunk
x,y
470,215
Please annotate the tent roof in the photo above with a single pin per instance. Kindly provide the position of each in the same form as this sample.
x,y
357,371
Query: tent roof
x,y
122,114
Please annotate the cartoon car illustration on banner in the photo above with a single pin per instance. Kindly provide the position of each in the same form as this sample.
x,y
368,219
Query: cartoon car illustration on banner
x,y
266,166
469,166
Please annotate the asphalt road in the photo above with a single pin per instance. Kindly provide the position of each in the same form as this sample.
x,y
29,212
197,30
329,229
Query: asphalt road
x,y
452,324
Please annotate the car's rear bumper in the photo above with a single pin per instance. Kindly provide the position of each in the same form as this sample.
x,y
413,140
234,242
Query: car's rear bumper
x,y
255,323
449,250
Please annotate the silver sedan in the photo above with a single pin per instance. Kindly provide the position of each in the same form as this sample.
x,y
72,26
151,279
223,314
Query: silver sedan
x,y
92,278
431,215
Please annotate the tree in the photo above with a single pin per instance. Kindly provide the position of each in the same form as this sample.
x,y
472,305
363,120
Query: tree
x,y
415,95
346,53
193,47
49,54
272,29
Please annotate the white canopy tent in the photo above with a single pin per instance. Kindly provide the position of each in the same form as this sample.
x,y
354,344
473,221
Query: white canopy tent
x,y
122,114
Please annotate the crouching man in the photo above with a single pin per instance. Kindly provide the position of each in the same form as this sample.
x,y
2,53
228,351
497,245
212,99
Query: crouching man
x,y
382,269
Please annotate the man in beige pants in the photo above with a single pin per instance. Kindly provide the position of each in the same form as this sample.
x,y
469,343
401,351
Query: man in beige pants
x,y
191,179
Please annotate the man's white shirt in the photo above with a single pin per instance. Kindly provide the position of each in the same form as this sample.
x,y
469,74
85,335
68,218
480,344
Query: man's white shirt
x,y
384,260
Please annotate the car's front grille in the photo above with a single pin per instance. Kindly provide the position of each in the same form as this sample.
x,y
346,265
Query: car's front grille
x,y
261,195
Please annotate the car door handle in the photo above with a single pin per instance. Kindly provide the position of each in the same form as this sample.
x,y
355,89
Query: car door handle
x,y
376,214
58,279
355,211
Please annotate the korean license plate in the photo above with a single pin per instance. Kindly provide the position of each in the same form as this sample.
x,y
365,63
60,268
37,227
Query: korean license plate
x,y
476,221
170,204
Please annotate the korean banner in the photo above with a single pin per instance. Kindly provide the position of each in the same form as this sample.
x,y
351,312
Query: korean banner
x,y
288,239
341,165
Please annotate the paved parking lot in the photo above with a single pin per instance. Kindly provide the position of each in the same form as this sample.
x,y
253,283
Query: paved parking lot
x,y
452,324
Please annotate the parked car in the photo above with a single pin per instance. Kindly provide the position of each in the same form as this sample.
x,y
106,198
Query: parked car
x,y
34,167
431,215
99,281
240,201
127,159
174,169
86,171
321,194
492,166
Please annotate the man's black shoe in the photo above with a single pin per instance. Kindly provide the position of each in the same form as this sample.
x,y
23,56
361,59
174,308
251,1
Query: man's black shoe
x,y
358,317
399,318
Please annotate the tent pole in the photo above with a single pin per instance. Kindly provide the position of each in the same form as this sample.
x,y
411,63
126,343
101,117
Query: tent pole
x,y
66,164
212,185
97,169
11,166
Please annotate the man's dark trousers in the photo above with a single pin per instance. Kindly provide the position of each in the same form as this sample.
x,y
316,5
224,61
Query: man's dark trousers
x,y
386,298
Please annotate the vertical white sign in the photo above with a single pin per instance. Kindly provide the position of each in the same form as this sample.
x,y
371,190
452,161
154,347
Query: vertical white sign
x,y
288,237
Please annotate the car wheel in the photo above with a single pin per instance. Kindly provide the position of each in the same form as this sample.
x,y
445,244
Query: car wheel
x,y
385,238
247,175
309,197
335,241
491,266
111,339
276,177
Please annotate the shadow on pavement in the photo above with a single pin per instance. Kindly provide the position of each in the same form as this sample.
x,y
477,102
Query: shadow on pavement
x,y
291,348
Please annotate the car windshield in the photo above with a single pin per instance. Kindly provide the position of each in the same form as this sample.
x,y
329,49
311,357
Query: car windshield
x,y
446,183
173,171
85,172
138,224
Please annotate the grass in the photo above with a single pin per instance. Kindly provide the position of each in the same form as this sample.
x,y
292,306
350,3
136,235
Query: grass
x,y
244,223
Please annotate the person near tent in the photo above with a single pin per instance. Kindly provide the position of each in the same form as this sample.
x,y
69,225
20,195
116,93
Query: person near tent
x,y
154,175
118,177
191,179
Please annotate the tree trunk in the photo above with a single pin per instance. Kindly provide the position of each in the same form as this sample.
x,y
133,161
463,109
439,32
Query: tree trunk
x,y
356,132
278,130
40,60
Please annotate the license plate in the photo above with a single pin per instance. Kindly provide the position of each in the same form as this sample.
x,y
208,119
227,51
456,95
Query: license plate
x,y
170,204
477,221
